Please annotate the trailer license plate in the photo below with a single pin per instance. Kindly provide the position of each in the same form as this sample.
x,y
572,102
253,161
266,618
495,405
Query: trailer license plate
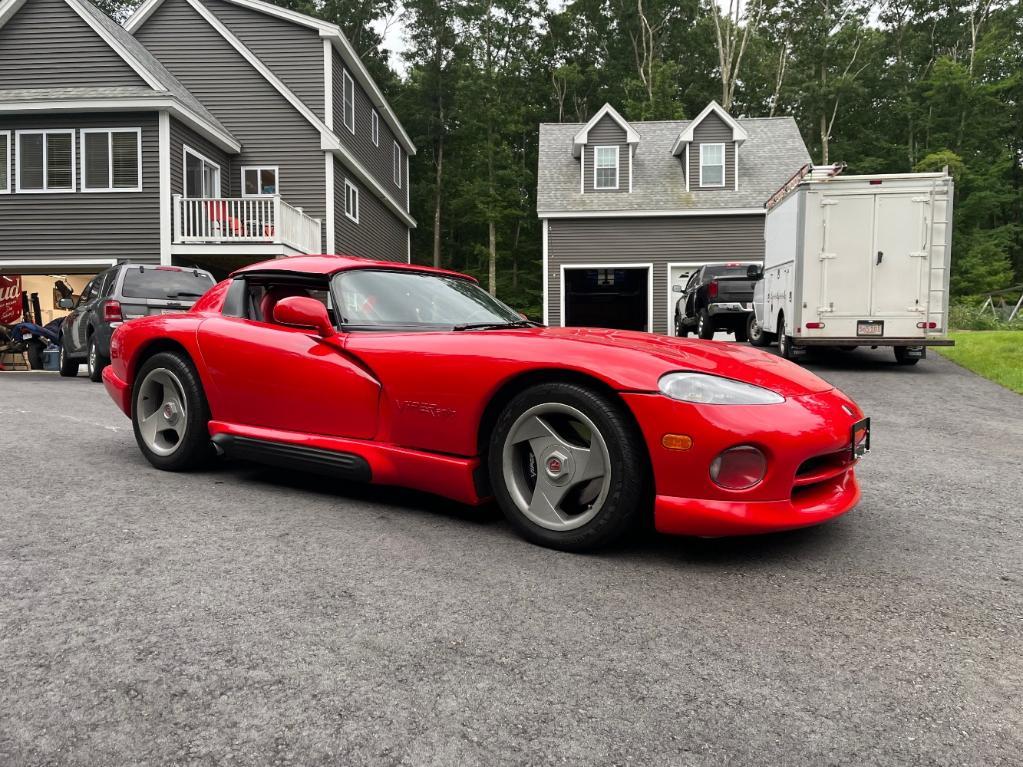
x,y
870,328
860,438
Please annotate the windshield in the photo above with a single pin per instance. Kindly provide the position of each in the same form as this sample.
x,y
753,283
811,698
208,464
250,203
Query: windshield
x,y
165,283
374,298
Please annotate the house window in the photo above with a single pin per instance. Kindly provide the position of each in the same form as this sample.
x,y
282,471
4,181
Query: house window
x,y
202,175
605,167
349,100
712,164
397,164
259,182
5,162
374,127
351,201
46,161
111,160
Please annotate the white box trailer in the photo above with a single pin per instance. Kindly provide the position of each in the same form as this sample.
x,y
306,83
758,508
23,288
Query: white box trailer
x,y
857,261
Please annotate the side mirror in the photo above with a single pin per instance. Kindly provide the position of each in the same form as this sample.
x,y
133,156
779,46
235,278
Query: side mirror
x,y
676,288
66,303
304,312
754,272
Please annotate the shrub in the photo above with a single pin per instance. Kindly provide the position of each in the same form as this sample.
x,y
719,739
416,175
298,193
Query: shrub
x,y
968,315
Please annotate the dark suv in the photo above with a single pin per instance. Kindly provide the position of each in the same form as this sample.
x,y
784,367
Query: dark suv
x,y
122,293
717,297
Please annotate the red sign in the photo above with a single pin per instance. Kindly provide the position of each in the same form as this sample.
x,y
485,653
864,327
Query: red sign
x,y
10,299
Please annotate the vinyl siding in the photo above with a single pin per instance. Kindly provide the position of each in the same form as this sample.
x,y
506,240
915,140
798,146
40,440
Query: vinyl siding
x,y
72,225
376,159
649,240
294,53
379,234
713,130
269,129
607,133
180,137
47,45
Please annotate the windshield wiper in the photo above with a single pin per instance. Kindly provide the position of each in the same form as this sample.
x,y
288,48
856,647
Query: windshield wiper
x,y
184,294
495,325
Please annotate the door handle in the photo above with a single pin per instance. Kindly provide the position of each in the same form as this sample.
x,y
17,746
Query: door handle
x,y
880,256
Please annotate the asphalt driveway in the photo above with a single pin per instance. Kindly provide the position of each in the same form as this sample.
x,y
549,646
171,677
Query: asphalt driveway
x,y
236,616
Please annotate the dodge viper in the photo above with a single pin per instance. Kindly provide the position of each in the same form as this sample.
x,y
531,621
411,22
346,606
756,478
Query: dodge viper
x,y
397,374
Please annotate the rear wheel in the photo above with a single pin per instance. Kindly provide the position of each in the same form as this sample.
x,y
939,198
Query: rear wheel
x,y
567,467
756,334
169,413
94,361
68,366
704,325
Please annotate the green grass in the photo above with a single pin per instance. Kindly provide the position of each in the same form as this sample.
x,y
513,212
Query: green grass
x,y
994,354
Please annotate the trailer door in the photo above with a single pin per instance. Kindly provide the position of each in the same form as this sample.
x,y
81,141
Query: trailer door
x,y
900,255
846,257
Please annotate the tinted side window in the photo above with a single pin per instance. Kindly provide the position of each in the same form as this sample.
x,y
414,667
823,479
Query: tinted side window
x,y
88,291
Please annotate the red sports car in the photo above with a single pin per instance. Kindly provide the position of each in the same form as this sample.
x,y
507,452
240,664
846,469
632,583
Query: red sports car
x,y
405,375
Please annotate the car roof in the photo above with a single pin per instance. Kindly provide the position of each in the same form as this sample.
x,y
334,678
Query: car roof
x,y
331,264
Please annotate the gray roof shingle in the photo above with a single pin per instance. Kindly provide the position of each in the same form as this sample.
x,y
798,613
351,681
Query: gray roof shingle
x,y
771,154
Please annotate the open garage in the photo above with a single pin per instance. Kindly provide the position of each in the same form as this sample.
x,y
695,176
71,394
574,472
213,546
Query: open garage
x,y
608,296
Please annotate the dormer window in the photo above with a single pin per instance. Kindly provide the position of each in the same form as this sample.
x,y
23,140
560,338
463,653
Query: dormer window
x,y
605,167
712,164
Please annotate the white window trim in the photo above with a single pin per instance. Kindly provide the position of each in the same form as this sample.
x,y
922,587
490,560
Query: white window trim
x,y
187,150
396,164
649,287
346,83
374,127
7,161
17,162
355,189
618,168
110,160
277,179
724,163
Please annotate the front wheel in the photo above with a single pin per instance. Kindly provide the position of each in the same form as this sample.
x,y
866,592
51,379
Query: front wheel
x,y
755,333
169,413
68,366
568,467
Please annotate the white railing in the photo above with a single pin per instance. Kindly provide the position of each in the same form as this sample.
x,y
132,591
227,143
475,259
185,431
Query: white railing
x,y
244,219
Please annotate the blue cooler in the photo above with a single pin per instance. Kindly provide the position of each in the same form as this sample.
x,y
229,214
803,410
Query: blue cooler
x,y
51,357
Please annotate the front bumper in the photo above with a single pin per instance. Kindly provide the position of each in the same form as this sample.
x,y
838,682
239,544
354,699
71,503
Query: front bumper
x,y
118,390
807,442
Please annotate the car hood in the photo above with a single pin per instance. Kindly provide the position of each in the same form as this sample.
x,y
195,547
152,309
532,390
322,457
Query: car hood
x,y
728,360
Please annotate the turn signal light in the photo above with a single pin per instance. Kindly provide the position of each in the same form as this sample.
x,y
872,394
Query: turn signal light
x,y
739,468
112,311
927,325
677,441
815,326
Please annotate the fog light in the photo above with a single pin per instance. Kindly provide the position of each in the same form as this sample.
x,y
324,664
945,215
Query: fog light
x,y
739,468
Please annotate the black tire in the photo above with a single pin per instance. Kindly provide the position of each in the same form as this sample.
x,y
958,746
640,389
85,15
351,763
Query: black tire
x,y
681,331
704,325
627,496
755,334
784,340
68,366
740,333
194,449
902,356
94,361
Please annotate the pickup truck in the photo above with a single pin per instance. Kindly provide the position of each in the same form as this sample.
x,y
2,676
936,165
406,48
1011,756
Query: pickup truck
x,y
717,297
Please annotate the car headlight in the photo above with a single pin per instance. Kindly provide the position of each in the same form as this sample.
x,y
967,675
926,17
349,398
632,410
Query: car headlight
x,y
706,389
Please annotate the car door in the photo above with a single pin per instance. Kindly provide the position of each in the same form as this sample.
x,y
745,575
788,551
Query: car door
x,y
272,376
690,294
76,323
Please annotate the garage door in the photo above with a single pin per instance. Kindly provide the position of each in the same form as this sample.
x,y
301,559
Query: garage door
x,y
607,297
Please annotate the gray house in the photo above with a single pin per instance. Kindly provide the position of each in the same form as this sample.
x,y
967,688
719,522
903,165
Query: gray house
x,y
206,132
631,209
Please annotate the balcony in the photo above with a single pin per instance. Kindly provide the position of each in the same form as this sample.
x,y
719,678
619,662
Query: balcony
x,y
243,225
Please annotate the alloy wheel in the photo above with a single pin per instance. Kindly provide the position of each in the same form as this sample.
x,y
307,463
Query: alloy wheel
x,y
161,411
556,467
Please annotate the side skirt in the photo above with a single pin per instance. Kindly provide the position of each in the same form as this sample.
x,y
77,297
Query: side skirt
x,y
348,466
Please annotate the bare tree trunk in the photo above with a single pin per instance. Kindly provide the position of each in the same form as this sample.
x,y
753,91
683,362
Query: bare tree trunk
x,y
783,55
438,179
731,41
492,270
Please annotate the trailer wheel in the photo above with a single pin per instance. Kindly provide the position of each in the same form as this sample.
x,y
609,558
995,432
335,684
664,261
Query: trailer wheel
x,y
756,334
784,340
